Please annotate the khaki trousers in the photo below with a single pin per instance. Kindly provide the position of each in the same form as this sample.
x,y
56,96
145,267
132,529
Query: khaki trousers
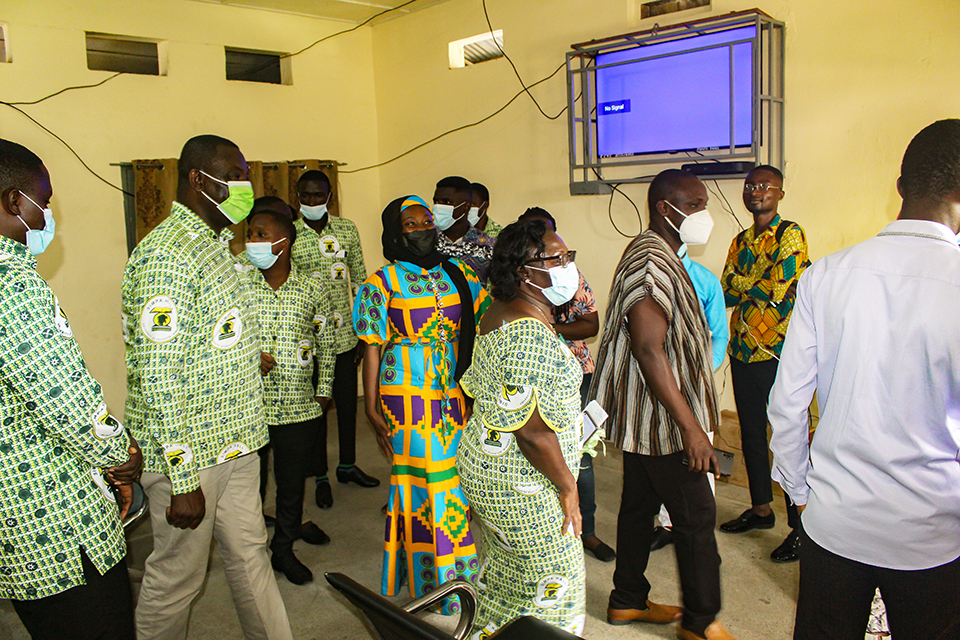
x,y
175,571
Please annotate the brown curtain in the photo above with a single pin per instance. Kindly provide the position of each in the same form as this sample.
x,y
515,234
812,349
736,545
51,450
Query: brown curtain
x,y
155,189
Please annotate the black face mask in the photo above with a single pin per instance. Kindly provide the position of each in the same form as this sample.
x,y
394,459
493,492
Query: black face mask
x,y
420,243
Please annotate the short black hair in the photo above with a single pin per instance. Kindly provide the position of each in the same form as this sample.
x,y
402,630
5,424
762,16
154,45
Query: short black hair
x,y
20,168
536,213
517,244
285,223
198,151
665,186
458,184
268,201
480,190
767,167
314,175
931,164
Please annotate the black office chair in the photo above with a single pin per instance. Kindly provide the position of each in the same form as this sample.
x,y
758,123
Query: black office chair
x,y
391,622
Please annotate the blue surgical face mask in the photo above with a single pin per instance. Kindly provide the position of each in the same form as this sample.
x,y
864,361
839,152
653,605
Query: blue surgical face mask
x,y
261,254
315,212
564,283
443,215
39,239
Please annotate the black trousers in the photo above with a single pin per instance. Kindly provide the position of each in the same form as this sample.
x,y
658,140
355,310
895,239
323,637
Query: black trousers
x,y
102,609
586,482
752,383
836,593
345,398
292,446
648,482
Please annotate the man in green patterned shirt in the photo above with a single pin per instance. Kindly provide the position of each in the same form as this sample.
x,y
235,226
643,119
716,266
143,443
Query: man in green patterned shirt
x,y
294,333
329,250
61,544
480,203
195,400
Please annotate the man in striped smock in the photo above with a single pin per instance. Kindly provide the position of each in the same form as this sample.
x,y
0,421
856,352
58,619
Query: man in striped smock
x,y
654,377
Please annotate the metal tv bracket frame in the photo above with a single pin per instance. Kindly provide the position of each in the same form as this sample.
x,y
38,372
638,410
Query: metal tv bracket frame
x,y
591,175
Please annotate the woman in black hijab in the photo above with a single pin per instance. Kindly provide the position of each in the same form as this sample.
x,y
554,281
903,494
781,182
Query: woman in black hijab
x,y
421,312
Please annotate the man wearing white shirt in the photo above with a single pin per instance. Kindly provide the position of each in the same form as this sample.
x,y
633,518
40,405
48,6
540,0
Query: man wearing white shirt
x,y
875,334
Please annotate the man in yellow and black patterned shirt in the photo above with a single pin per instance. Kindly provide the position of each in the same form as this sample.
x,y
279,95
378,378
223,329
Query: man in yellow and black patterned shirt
x,y
195,400
61,544
760,283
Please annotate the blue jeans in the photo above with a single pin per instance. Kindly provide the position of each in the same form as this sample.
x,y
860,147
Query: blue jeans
x,y
586,485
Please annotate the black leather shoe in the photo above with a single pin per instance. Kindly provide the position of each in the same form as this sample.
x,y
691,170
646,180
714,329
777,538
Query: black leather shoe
x,y
294,570
324,495
601,551
661,538
355,475
789,551
749,520
312,534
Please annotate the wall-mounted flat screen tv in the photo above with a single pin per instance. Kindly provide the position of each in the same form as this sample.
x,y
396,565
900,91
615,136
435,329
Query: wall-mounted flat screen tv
x,y
689,94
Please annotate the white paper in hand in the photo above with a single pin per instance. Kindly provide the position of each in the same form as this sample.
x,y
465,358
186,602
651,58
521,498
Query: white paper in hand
x,y
593,418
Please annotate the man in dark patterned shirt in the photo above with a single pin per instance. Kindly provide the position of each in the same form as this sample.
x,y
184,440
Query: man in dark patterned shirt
x,y
451,203
61,544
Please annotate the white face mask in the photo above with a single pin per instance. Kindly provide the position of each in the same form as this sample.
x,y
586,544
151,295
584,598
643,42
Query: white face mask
x,y
564,283
443,216
315,212
695,228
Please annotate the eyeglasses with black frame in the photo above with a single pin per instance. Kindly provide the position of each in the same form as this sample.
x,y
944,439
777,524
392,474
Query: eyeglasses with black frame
x,y
559,260
762,188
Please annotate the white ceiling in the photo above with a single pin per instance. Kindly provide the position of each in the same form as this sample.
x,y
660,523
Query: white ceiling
x,y
355,11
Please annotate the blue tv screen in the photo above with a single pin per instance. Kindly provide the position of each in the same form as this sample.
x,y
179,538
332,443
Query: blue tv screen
x,y
676,96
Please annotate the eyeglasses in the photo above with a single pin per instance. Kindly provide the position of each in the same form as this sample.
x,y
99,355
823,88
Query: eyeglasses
x,y
762,188
559,260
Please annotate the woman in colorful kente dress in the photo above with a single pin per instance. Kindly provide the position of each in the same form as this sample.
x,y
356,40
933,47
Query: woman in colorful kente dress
x,y
520,453
421,312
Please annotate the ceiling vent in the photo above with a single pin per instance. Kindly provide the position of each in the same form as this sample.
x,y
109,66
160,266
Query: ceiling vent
x,y
476,49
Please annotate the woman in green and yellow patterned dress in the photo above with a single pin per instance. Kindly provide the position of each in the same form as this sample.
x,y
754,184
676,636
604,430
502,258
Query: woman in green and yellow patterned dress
x,y
520,452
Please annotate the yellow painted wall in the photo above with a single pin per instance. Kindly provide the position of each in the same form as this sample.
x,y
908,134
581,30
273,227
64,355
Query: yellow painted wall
x,y
861,80
328,112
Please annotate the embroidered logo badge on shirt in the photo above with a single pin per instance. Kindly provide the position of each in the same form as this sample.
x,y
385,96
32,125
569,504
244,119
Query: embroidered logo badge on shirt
x,y
158,320
231,451
304,353
60,319
337,321
484,633
550,589
528,489
105,425
97,475
177,453
496,443
227,330
338,272
329,246
513,397
319,322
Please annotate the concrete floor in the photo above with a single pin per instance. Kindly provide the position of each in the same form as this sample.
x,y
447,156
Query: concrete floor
x,y
759,597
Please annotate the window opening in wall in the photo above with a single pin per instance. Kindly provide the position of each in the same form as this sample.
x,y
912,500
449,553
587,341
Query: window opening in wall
x,y
127,54
476,49
4,44
257,66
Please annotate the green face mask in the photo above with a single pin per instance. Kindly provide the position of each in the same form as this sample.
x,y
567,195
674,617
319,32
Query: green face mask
x,y
238,204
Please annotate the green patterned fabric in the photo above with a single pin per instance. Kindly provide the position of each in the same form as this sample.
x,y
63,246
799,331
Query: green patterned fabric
x,y
492,229
334,257
295,329
194,390
55,434
528,566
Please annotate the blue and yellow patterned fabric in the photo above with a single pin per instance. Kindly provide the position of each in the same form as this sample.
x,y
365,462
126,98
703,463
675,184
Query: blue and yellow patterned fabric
x,y
529,566
756,283
416,313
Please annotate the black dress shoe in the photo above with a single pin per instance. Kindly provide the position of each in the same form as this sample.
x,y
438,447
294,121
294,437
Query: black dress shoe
x,y
661,538
355,475
749,520
602,551
294,570
312,534
789,551
324,495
